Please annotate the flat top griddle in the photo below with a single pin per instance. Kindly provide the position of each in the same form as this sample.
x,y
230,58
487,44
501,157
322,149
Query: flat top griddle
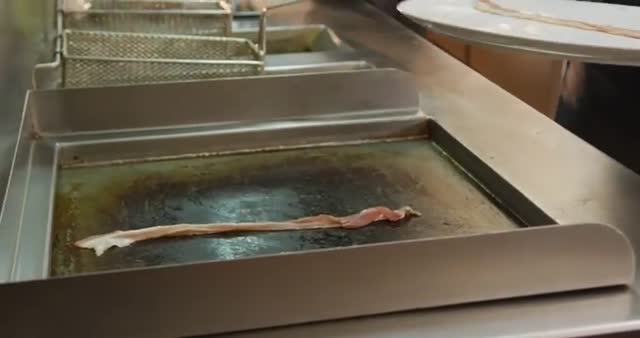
x,y
263,186
113,158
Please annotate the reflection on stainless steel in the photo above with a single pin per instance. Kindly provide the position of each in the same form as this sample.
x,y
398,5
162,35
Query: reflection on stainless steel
x,y
498,132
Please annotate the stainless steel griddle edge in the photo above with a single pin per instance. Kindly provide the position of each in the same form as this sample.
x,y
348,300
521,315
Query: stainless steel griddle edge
x,y
509,136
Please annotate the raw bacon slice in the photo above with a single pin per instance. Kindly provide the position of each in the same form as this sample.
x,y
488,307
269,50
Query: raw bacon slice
x,y
101,243
491,6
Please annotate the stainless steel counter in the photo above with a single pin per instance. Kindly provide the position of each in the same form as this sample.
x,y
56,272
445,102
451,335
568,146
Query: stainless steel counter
x,y
567,179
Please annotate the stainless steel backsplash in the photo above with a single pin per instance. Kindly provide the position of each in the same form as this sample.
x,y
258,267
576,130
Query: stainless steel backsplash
x,y
26,38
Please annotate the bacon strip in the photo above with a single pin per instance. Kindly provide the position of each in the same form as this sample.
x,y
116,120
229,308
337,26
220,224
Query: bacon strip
x,y
101,243
490,6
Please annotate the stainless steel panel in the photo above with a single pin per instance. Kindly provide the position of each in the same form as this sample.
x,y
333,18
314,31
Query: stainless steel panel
x,y
35,227
13,207
574,314
198,142
295,39
324,284
196,103
26,38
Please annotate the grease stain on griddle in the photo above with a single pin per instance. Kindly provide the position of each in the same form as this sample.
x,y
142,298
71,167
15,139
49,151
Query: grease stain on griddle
x,y
265,186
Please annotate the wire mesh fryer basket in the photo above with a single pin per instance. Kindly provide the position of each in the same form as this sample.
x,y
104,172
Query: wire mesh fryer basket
x,y
94,58
151,16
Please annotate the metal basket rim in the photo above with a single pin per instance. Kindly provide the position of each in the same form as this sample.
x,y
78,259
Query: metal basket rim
x,y
67,32
223,8
169,61
188,12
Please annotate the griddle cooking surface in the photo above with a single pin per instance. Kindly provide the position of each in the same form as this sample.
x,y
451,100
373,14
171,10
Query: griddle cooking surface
x,y
266,186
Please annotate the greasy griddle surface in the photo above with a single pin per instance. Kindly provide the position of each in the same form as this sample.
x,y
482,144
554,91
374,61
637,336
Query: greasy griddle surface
x,y
267,186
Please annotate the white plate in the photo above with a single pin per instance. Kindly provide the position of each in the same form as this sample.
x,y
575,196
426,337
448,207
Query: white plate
x,y
460,18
